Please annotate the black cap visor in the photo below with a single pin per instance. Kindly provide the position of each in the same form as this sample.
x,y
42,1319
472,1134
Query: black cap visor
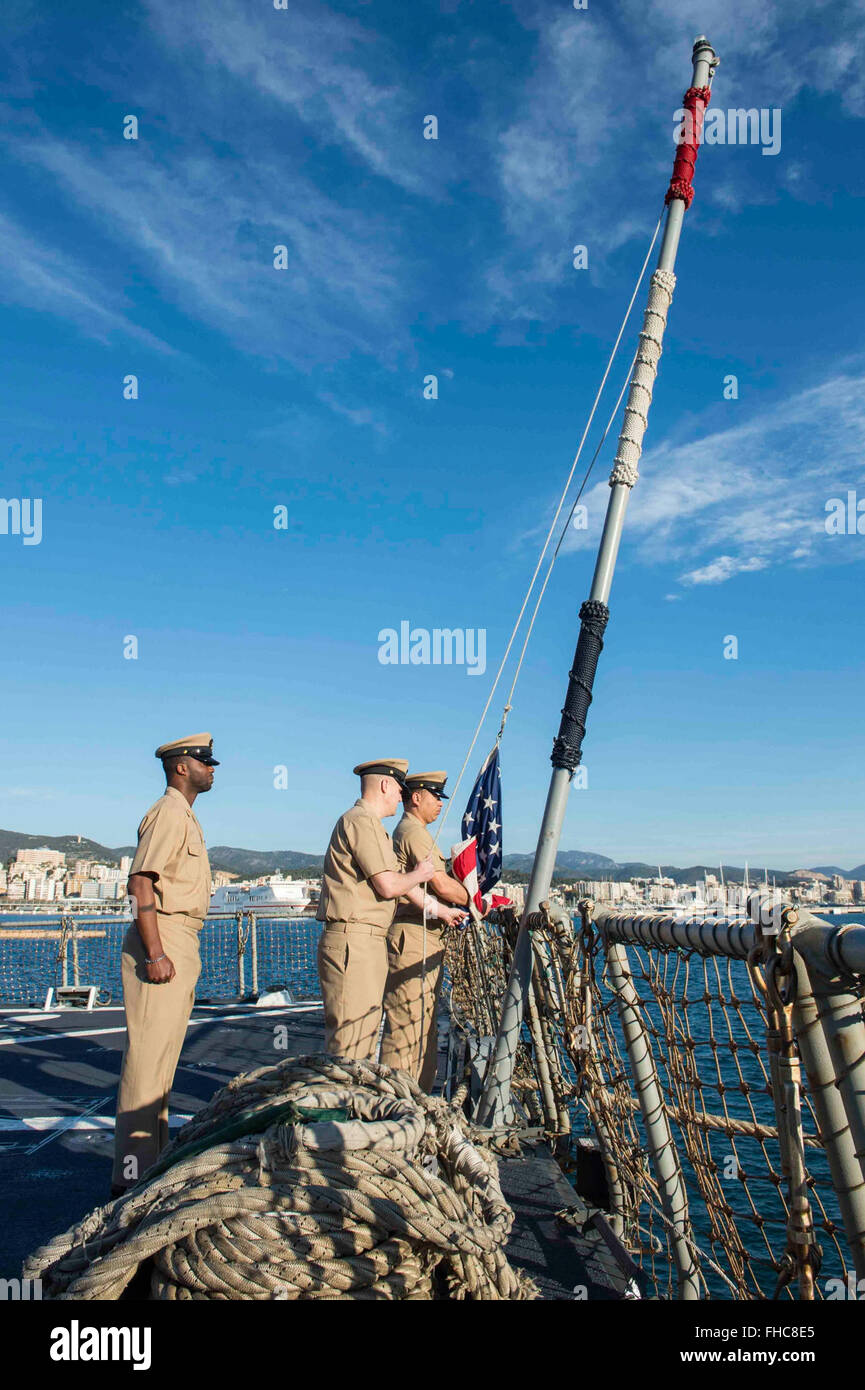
x,y
385,770
201,755
427,787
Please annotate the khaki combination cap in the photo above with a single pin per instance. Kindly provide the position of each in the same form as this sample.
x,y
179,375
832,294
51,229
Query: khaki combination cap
x,y
427,781
385,767
198,746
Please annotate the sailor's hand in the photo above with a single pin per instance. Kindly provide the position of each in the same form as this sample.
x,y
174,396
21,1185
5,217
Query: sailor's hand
x,y
425,870
161,971
452,916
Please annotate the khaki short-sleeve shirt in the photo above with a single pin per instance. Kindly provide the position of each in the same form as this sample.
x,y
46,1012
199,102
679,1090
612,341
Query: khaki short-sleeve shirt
x,y
171,846
359,847
412,842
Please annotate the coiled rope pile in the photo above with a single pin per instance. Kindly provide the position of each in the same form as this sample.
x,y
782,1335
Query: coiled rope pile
x,y
316,1178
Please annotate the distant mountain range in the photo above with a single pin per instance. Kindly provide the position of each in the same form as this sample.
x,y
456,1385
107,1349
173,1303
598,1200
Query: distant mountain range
x,y
73,846
248,863
253,863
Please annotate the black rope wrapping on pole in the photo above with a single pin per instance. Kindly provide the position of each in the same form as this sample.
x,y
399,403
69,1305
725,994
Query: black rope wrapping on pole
x,y
568,744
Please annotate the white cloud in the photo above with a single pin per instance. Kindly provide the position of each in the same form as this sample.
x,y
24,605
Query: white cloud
x,y
748,497
33,272
303,127
206,231
587,156
358,415
244,112
325,67
724,567
30,793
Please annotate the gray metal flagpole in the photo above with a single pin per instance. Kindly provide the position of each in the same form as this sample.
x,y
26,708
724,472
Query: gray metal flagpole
x,y
494,1103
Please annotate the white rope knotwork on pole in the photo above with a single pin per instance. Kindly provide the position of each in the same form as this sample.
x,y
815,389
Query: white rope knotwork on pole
x,y
643,381
319,1178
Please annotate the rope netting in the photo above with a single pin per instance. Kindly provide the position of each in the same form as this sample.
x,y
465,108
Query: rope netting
x,y
714,1040
319,1178
38,954
477,964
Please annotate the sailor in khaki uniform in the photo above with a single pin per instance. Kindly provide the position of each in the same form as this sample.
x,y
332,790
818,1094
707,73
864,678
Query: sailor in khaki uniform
x,y
359,888
414,974
170,883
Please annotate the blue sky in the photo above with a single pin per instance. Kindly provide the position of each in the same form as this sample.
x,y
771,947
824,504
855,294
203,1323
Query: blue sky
x,y
303,388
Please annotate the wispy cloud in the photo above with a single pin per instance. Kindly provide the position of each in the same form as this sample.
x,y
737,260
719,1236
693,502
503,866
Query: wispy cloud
x,y
749,497
254,127
342,80
725,567
585,159
30,793
302,127
207,232
358,415
34,273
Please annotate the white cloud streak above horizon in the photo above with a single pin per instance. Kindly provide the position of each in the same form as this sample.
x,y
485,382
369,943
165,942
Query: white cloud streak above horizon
x,y
751,496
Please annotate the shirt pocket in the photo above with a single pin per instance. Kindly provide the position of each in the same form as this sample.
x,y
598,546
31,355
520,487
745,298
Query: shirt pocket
x,y
194,847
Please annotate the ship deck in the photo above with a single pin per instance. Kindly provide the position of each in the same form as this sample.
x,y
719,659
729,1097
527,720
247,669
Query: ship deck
x,y
58,1077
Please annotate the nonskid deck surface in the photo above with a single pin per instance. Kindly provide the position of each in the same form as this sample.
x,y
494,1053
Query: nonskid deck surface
x,y
58,1079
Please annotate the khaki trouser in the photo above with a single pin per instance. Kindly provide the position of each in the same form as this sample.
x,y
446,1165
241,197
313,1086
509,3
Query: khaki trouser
x,y
410,1039
156,1019
352,968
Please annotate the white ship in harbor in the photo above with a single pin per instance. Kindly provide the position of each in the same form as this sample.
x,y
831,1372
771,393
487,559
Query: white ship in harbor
x,y
290,896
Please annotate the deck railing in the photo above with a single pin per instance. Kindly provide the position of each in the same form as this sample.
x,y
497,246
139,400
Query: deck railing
x,y
243,954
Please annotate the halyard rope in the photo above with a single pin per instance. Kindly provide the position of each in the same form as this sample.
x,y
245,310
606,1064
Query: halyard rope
x,y
552,527
640,370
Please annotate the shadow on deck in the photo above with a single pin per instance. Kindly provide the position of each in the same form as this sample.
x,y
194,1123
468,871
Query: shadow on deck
x,y
59,1077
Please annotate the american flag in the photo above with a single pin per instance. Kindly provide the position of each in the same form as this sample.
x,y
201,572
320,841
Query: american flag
x,y
477,861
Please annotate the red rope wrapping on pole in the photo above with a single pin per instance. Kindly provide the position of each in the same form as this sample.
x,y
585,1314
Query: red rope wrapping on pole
x,y
695,101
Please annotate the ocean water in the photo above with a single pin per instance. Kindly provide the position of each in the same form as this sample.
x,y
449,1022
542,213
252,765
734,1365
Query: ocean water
x,y
286,956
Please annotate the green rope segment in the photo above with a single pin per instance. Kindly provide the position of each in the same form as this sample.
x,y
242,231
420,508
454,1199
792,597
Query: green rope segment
x,y
252,1121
